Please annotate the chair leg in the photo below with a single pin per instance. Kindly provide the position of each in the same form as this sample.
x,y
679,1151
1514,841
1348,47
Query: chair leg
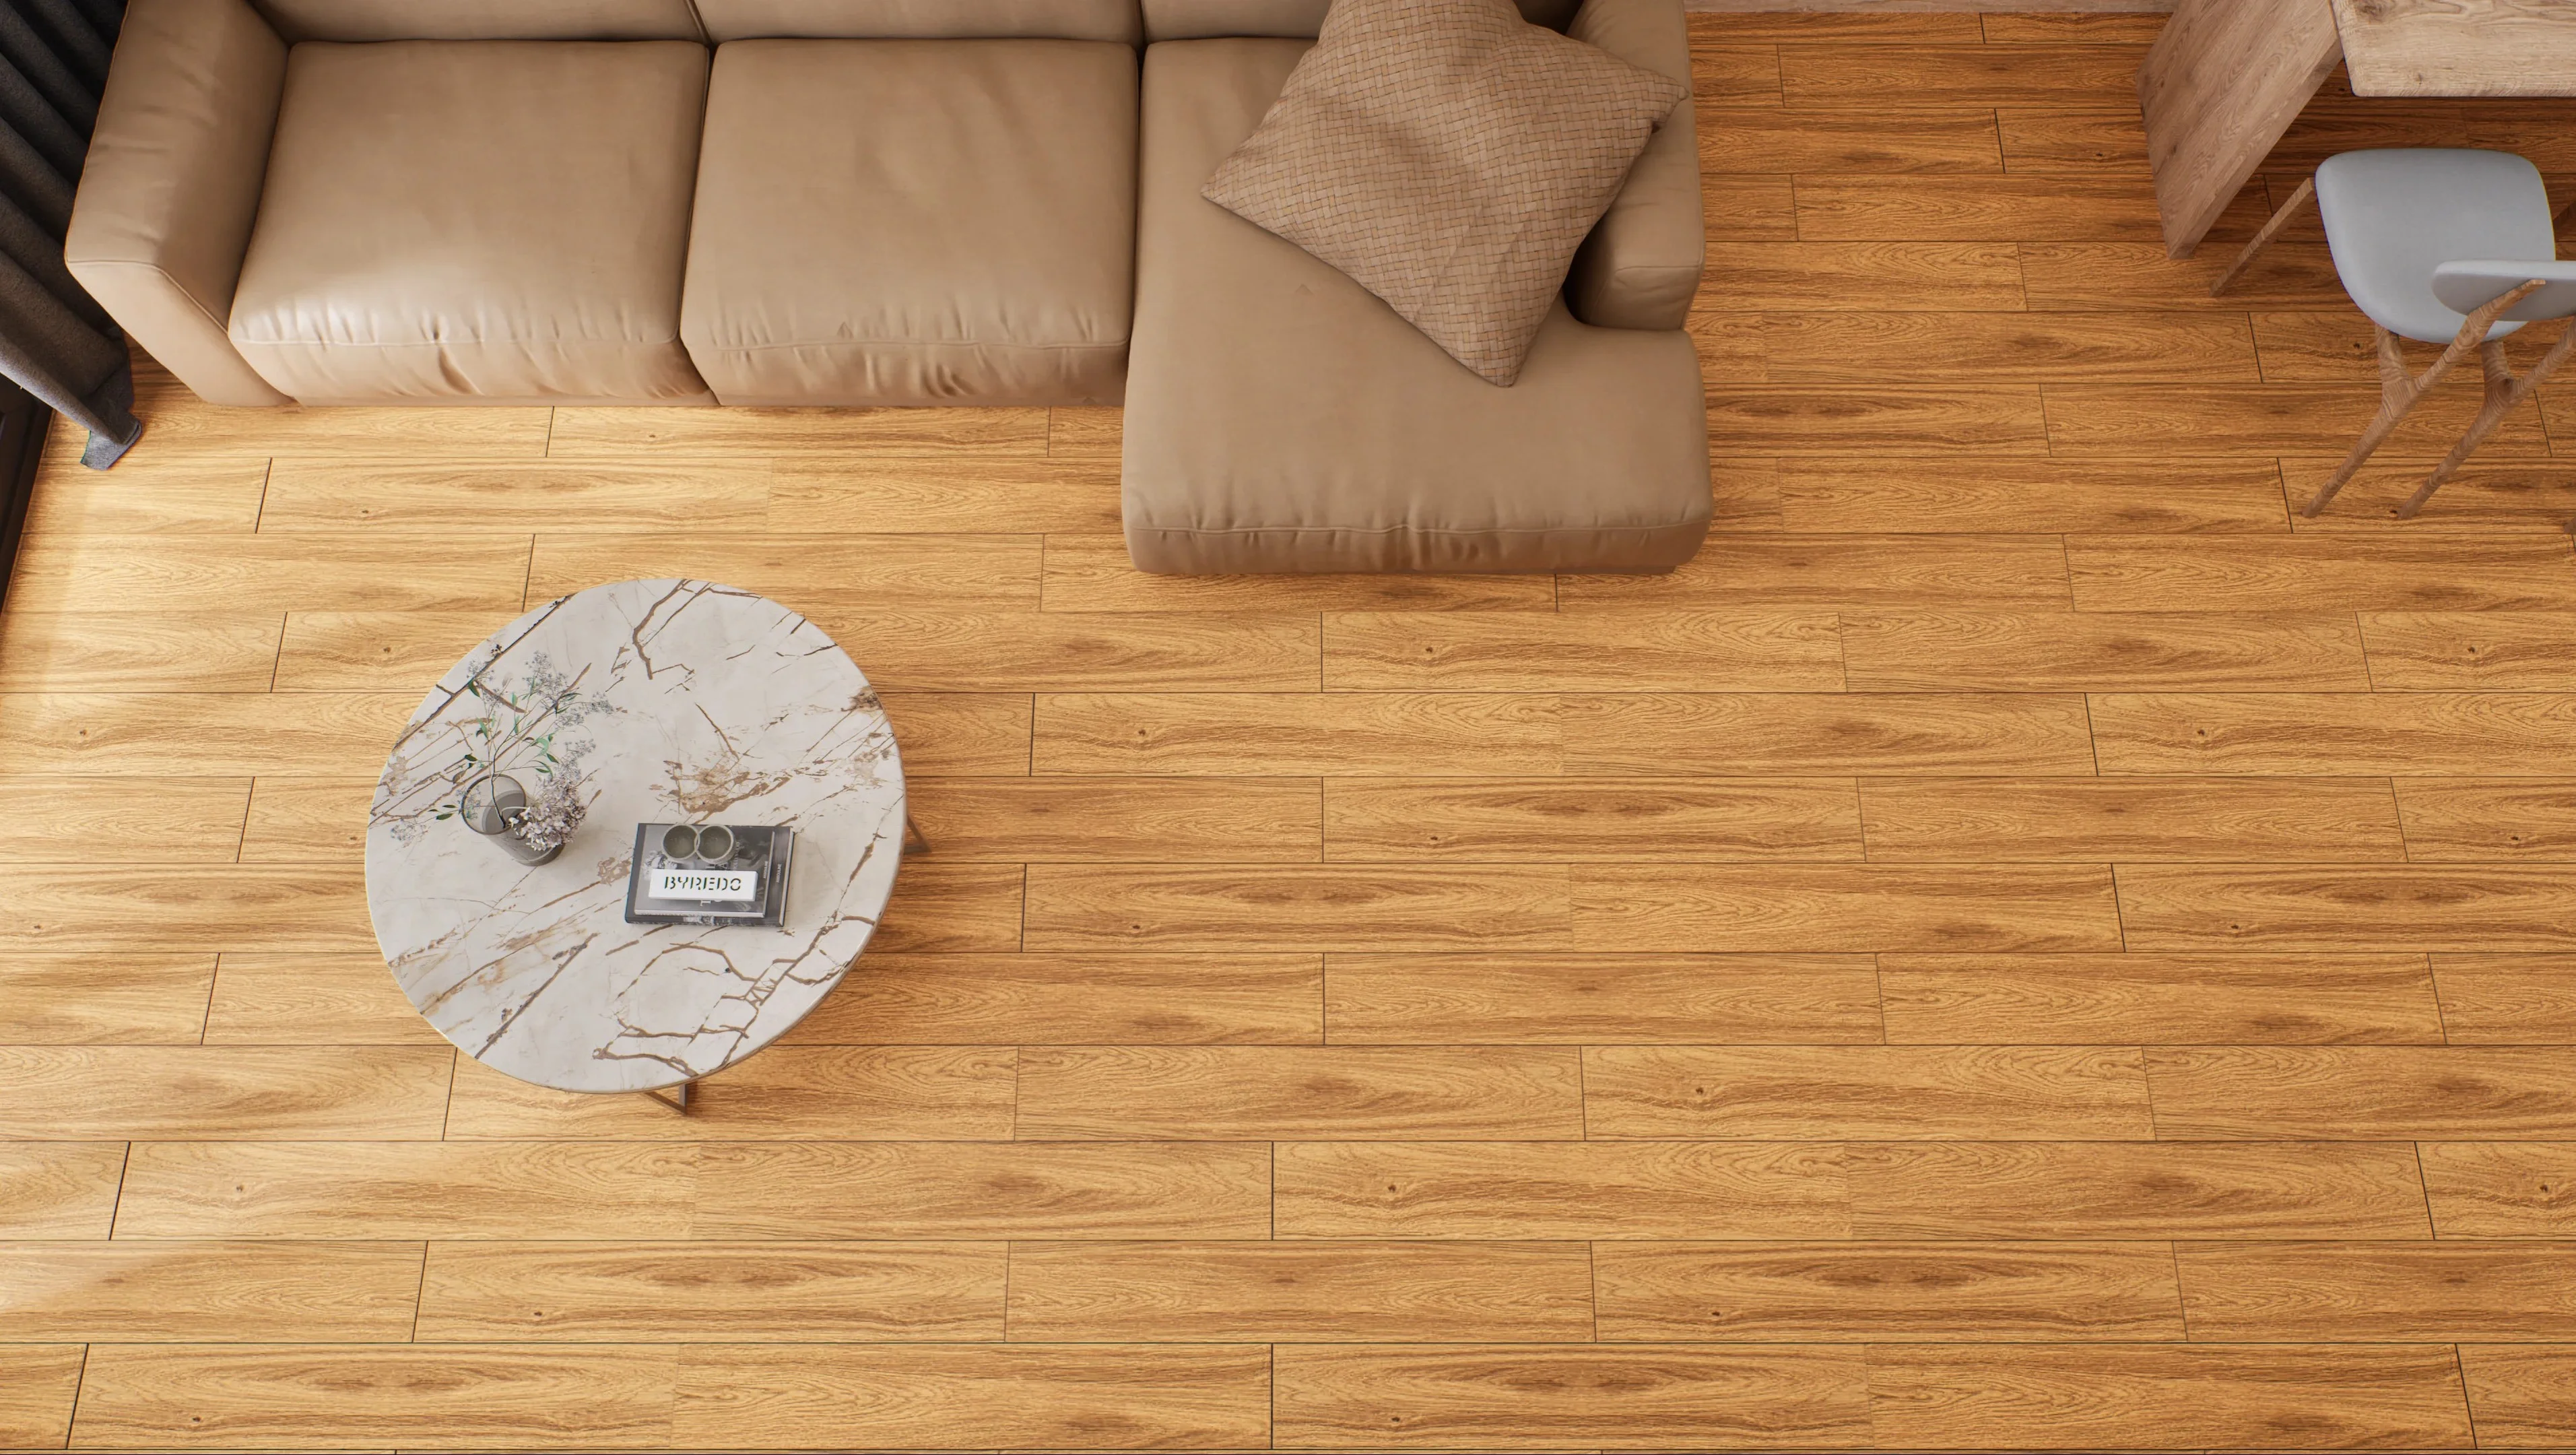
x,y
2398,393
2504,394
2307,192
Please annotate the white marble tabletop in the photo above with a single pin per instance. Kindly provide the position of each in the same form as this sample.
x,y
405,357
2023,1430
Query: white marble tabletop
x,y
677,702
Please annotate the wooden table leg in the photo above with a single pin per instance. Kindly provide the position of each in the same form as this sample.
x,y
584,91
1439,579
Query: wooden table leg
x,y
2222,84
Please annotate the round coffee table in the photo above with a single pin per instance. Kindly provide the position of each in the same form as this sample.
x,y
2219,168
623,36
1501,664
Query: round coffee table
x,y
666,702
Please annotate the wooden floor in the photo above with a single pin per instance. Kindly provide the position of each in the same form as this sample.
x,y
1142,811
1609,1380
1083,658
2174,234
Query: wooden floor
x,y
2021,944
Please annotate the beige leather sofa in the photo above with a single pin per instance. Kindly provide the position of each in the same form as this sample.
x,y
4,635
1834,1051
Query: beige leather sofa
x,y
881,202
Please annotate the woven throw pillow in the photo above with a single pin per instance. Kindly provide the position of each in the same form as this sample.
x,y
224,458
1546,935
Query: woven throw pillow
x,y
1450,157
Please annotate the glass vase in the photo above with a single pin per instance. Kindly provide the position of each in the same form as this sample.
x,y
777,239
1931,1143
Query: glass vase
x,y
492,806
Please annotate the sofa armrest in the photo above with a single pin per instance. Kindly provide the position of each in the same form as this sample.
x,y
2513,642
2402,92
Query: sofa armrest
x,y
172,184
1641,265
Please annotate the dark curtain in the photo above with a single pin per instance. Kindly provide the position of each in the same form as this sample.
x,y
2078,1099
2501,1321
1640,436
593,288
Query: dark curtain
x,y
54,340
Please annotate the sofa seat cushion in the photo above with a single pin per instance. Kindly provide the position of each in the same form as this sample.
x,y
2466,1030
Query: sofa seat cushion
x,y
1280,418
489,220
916,222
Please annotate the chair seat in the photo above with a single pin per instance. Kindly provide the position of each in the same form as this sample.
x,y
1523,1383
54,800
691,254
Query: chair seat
x,y
499,221
2393,216
915,222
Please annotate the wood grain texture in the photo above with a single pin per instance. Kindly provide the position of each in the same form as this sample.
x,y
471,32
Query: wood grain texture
x,y
2430,734
819,575
2170,999
2454,819
1748,735
2378,1292
1675,651
115,651
1594,818
2100,652
2520,1396
395,1093
1995,1190
2452,570
2363,1091
1336,1292
500,497
2288,1397
75,999
228,1293
1749,138
311,1000
2507,998
2130,821
1587,998
961,733
1029,820
306,820
1056,651
1868,275
1092,572
943,492
341,1190
200,735
2501,1189
106,908
2495,495
889,1092
1300,734
940,907
711,1292
2409,48
1993,419
1225,908
2176,907
1563,1190
1849,909
1793,1093
2435,651
949,1190
1936,493
1962,570
617,433
55,1189
38,1384
1311,1093
1928,347
375,651
1579,1397
1886,1292
307,571
1072,999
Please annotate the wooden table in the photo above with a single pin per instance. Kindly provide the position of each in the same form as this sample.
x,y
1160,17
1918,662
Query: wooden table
x,y
2227,78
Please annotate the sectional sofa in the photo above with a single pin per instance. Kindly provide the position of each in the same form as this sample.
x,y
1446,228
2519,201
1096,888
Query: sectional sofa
x,y
882,202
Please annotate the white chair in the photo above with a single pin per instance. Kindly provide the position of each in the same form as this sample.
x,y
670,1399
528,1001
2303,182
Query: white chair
x,y
2441,246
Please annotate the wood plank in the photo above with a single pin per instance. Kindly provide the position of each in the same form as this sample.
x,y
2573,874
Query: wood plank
x,y
1883,27
2363,1091
502,497
2434,734
375,651
2444,571
2072,28
187,429
1058,651
951,493
2127,275
1862,77
1954,348
2039,1396
38,1383
1088,572
2463,819
2505,999
137,651
1745,735
105,908
1071,1000
148,494
239,575
217,1293
395,1093
1567,1397
711,1292
2520,1396
1990,419
80,998
625,432
2470,651
1244,734
2057,207
1039,819
1579,999
2133,821
1316,907
1894,1093
1886,1292
1559,1190
953,908
1595,818
447,1190
1659,651
1311,1093
892,1092
310,1000
1845,909
1757,208
825,577
949,1190
960,733
2497,907
198,735
1734,74
1084,432
1759,138
859,1396
2135,996
59,1189
1925,493
1989,1190
2076,651
2317,419
2501,1189
1841,571
2378,1292
304,821
2071,138
329,1397
1338,1292
1880,277
2218,89
2410,48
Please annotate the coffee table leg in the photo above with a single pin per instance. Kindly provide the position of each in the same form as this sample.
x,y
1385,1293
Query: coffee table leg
x,y
914,840
677,1097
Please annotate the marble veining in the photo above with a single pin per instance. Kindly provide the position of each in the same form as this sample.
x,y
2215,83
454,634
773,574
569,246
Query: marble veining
x,y
672,701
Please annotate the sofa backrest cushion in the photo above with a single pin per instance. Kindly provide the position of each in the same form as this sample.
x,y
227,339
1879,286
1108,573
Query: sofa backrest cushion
x,y
1114,20
370,20
1297,19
